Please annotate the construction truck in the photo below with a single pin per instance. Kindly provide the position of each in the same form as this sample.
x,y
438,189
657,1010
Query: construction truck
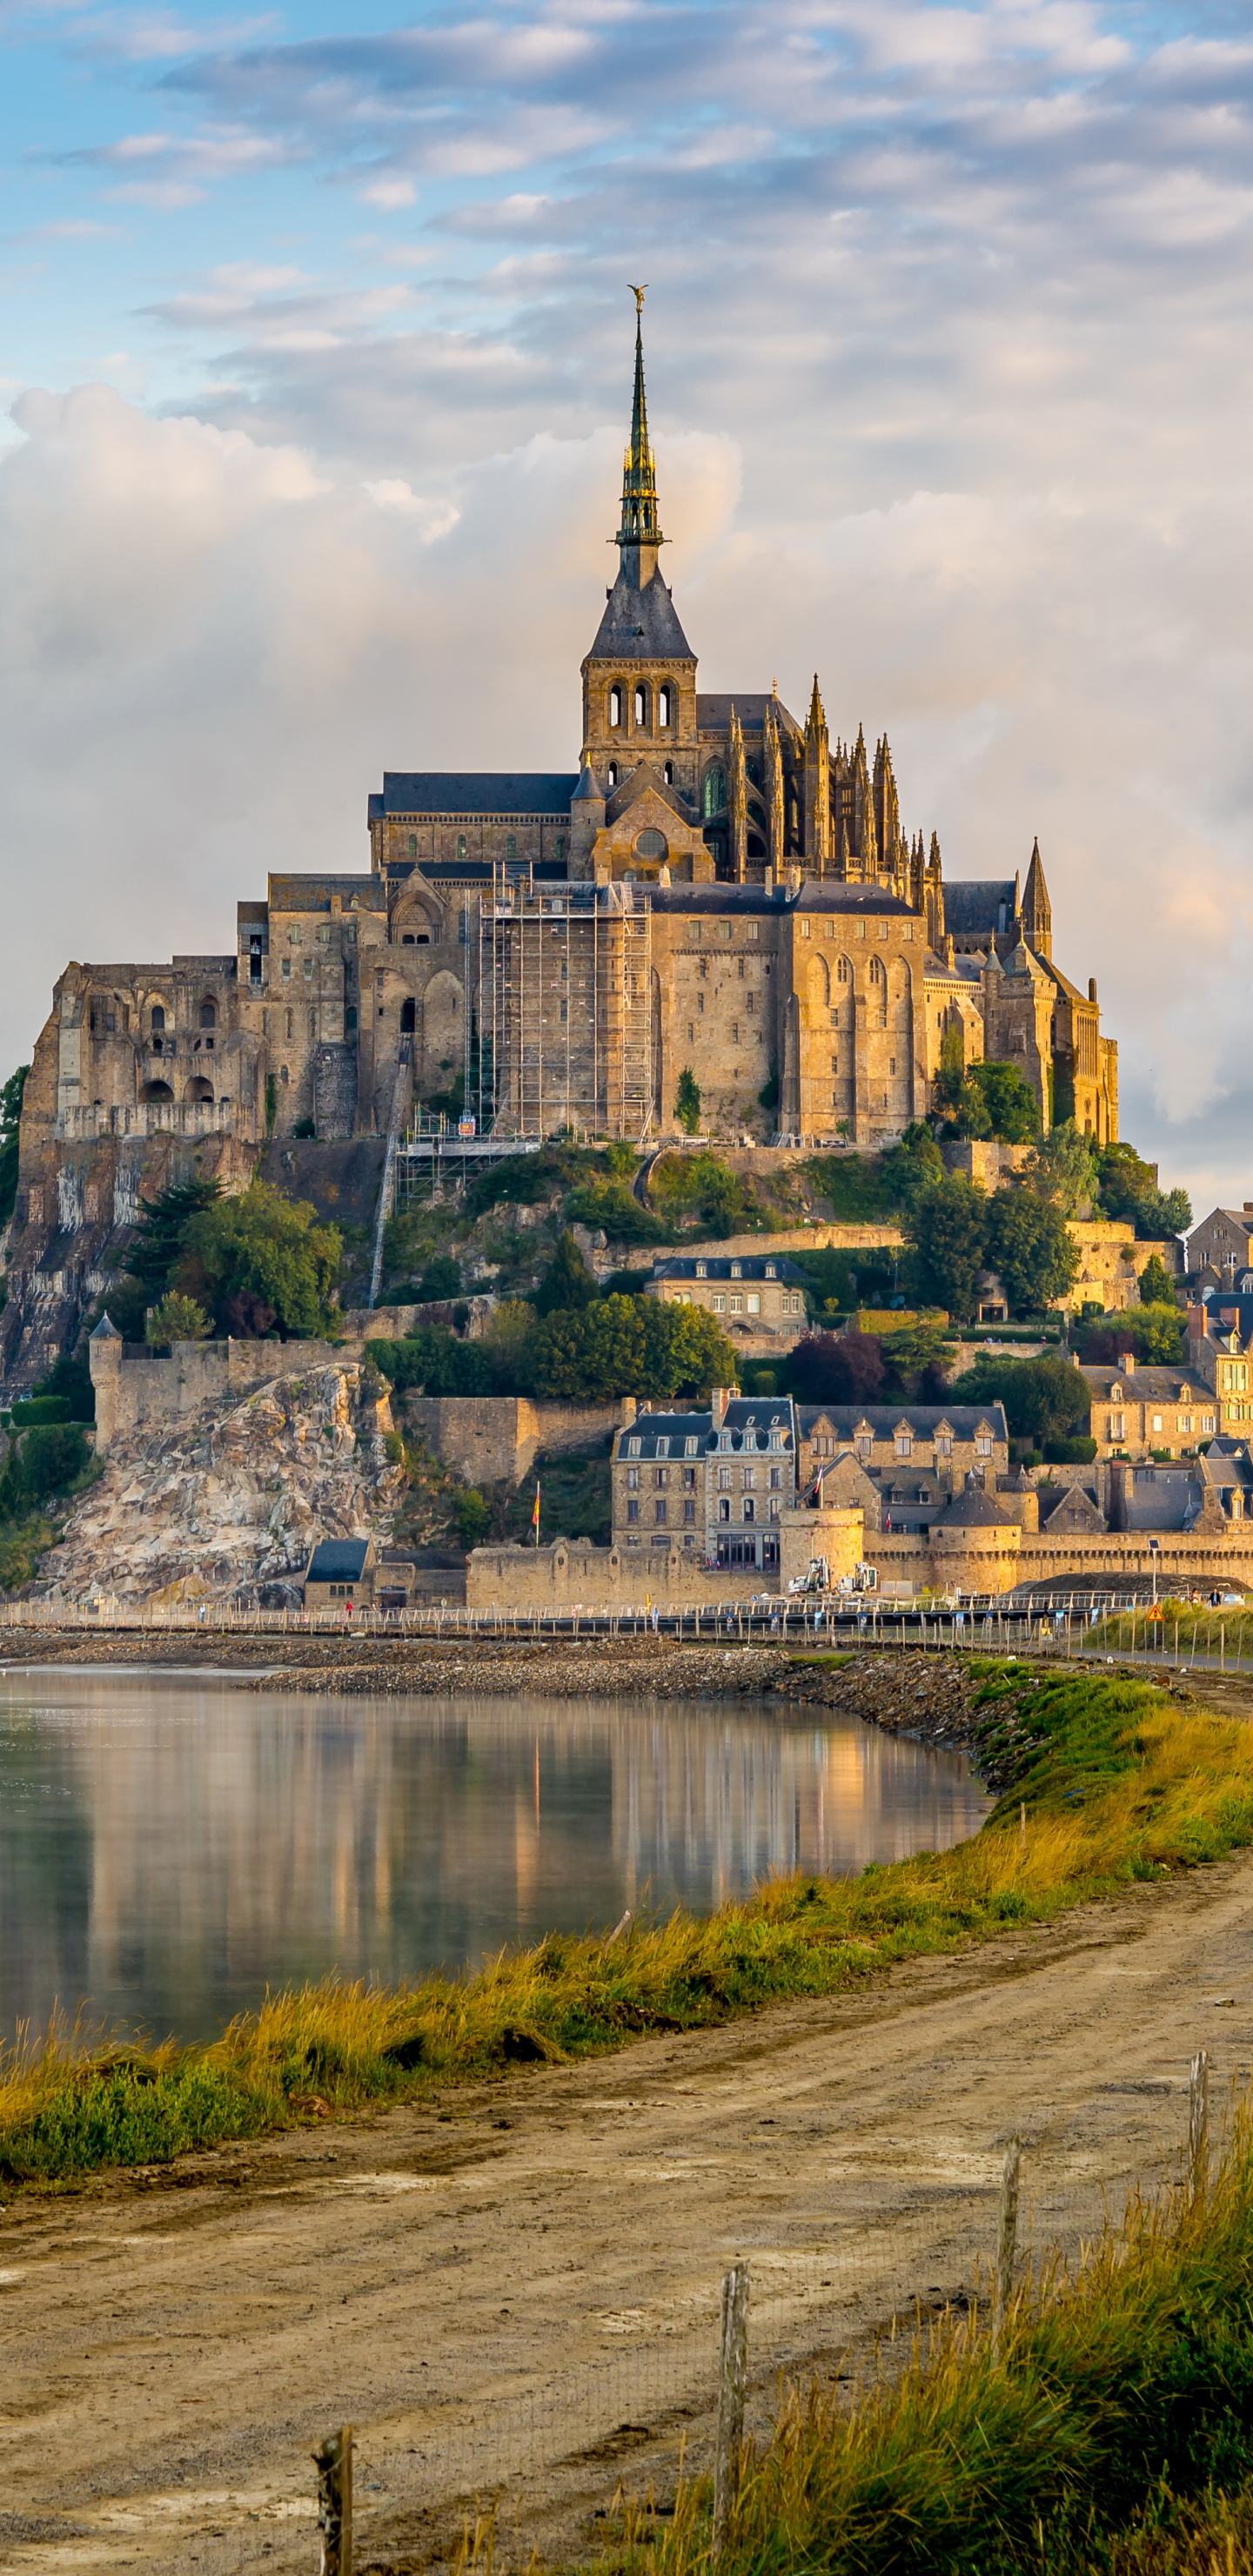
x,y
818,1579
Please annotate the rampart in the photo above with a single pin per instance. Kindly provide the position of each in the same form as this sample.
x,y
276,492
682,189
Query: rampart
x,y
495,1439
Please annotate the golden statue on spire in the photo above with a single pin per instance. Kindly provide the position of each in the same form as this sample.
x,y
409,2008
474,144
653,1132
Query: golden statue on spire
x,y
639,292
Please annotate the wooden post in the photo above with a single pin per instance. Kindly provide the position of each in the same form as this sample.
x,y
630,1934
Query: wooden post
x,y
732,2373
1022,1822
333,2459
1198,2119
1006,2238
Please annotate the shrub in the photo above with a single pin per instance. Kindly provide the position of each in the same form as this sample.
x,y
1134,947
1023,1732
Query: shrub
x,y
1153,1334
41,1408
10,1123
440,1279
1129,1189
42,1462
1079,1451
687,1102
176,1319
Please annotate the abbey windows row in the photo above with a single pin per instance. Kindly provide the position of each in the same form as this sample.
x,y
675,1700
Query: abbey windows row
x,y
640,701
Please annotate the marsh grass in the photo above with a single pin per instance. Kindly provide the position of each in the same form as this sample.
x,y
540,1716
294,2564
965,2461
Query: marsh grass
x,y
1099,2434
1200,1628
1119,1784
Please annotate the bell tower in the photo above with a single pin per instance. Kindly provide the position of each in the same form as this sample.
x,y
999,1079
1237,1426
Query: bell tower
x,y
639,680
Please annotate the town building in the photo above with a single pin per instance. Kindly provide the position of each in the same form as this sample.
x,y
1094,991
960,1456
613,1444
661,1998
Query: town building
x,y
1223,1243
1152,1412
750,1293
904,1463
713,1481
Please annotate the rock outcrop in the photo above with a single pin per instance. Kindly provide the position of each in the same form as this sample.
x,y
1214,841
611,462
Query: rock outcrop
x,y
227,1503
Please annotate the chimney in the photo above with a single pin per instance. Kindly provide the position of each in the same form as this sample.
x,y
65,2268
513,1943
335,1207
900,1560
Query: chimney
x,y
719,1399
1126,1363
1091,988
629,1410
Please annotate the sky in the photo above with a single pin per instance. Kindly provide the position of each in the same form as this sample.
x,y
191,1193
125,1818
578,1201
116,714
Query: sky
x,y
315,359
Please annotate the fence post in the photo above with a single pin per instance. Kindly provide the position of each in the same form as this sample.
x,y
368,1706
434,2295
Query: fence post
x,y
1198,2120
333,2459
1006,2238
732,2374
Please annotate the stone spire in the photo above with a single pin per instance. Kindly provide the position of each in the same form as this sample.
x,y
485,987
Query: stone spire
x,y
640,526
817,786
1037,911
774,783
865,839
737,799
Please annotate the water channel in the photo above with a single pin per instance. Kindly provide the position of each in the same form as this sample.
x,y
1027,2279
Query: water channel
x,y
171,1845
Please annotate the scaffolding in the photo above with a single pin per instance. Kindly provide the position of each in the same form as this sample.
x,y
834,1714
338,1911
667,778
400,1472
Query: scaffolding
x,y
566,1010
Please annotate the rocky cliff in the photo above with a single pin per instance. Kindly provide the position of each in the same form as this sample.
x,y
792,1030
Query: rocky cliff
x,y
228,1501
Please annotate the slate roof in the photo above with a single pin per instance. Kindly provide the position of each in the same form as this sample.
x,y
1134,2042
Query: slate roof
x,y
974,1510
640,625
475,791
743,1266
338,1560
748,1422
1147,1385
713,713
923,1419
976,903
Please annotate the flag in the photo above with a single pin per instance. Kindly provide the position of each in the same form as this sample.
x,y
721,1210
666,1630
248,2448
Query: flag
x,y
535,1514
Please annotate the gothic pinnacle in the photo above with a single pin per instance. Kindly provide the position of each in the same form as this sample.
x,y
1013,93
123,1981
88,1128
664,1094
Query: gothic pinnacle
x,y
639,470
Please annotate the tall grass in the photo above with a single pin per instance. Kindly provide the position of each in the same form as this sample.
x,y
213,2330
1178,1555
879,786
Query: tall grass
x,y
1119,1784
1123,2388
1198,1628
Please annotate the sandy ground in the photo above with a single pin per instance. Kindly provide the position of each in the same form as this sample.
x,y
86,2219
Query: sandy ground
x,y
514,2288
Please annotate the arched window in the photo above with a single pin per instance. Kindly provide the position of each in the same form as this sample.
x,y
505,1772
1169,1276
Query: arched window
x,y
408,1018
156,1091
641,704
406,939
208,1015
198,1089
413,845
664,704
844,971
613,773
877,975
283,1073
158,1018
715,789
667,771
350,1017
615,706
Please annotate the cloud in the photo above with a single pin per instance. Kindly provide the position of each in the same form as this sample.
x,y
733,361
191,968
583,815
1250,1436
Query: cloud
x,y
949,362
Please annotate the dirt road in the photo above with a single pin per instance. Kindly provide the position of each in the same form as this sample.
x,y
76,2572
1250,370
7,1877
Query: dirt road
x,y
519,2282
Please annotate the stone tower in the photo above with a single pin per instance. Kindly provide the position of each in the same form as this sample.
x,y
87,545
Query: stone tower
x,y
639,680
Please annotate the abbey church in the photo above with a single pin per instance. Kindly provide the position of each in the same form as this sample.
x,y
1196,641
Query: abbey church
x,y
715,888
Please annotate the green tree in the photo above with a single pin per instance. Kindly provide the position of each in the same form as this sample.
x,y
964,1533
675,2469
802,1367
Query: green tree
x,y
1129,1190
567,1283
156,1251
262,1262
1061,1168
952,1069
472,1517
687,1102
1008,1104
10,1121
176,1319
44,1461
1044,1399
1153,1335
440,1279
1030,1249
1157,1288
948,1226
70,1376
629,1346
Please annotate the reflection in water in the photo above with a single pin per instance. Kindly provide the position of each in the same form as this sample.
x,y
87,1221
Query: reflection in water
x,y
168,1847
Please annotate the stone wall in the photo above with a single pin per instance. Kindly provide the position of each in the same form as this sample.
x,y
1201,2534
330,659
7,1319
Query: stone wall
x,y
495,1439
574,1574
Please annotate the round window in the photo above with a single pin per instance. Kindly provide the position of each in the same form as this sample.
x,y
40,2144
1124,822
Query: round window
x,y
651,845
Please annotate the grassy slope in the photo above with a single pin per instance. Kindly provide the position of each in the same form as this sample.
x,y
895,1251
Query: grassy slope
x,y
1111,2396
1119,1784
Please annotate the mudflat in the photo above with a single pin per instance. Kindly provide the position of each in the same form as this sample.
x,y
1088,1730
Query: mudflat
x,y
176,2340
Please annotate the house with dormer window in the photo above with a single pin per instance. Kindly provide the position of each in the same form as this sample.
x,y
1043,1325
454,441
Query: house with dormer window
x,y
914,1457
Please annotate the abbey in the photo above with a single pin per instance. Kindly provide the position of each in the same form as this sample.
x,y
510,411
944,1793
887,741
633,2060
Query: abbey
x,y
715,888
